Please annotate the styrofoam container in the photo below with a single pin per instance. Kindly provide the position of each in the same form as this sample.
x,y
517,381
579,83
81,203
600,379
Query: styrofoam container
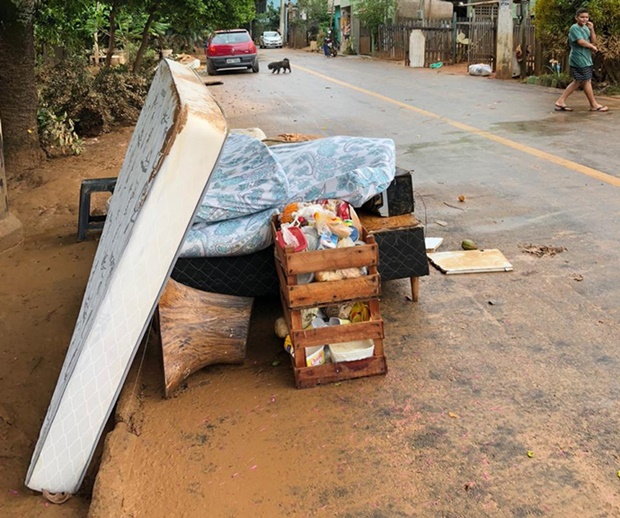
x,y
350,351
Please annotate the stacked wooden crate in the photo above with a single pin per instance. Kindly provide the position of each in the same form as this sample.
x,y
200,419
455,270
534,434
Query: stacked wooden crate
x,y
297,297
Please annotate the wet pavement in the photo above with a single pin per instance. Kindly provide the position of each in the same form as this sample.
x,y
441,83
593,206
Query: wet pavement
x,y
501,396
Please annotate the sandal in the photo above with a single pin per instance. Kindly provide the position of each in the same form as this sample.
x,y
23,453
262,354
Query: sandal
x,y
560,108
600,109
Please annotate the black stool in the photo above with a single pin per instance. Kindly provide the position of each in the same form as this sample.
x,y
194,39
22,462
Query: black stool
x,y
86,221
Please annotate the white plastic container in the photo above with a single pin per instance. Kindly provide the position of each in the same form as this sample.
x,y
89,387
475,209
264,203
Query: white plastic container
x,y
350,351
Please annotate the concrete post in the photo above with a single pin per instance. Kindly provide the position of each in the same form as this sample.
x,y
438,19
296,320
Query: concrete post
x,y
503,67
11,232
282,20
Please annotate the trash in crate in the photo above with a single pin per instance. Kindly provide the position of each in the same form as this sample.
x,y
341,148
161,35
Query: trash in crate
x,y
314,355
318,225
351,351
349,311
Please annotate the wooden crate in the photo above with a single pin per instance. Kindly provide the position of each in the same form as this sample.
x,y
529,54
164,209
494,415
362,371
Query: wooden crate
x,y
296,297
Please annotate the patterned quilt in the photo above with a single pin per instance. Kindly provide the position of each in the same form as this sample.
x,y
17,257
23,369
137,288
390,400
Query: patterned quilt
x,y
253,181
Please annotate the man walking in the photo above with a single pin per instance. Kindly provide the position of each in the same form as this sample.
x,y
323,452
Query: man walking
x,y
582,39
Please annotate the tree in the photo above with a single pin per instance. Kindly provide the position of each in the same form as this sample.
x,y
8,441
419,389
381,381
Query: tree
x,y
18,94
316,15
185,16
373,13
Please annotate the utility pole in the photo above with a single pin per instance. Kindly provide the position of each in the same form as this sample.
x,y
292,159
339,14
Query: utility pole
x,y
503,67
282,18
11,233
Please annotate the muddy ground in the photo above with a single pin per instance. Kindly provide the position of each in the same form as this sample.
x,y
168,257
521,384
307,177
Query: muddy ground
x,y
41,286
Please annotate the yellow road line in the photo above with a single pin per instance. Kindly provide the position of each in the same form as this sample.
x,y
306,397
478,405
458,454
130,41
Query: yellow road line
x,y
588,171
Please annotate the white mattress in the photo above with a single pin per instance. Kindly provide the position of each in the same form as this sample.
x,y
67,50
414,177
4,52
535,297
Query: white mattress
x,y
169,160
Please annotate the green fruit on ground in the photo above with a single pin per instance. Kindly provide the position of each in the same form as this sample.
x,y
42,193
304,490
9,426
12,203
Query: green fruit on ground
x,y
468,244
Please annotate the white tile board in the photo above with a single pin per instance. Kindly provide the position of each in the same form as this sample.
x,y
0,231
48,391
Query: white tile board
x,y
432,243
172,152
470,261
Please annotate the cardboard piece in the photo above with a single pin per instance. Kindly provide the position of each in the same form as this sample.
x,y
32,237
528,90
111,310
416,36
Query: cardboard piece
x,y
470,261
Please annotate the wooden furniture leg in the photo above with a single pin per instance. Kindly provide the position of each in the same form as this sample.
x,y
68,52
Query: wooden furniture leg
x,y
415,289
197,328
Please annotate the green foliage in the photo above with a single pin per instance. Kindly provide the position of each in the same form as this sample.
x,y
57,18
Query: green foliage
x,y
553,80
62,24
610,90
124,92
555,17
57,133
267,21
373,13
313,17
94,103
349,48
605,14
62,85
228,14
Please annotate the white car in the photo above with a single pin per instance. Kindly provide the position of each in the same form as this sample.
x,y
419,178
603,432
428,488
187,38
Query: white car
x,y
270,40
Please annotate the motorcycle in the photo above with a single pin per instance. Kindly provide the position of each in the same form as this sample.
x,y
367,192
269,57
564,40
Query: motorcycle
x,y
331,48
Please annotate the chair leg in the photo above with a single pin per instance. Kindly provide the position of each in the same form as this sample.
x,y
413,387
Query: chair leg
x,y
83,212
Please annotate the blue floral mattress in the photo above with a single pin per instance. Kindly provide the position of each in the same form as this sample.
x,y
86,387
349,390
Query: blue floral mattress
x,y
252,181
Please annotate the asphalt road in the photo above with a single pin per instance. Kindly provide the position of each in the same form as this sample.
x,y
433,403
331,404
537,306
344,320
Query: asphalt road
x,y
502,394
528,360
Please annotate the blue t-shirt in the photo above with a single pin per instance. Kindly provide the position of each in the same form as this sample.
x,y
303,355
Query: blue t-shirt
x,y
579,56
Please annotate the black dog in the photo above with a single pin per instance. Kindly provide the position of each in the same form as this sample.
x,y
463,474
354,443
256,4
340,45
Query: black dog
x,y
276,66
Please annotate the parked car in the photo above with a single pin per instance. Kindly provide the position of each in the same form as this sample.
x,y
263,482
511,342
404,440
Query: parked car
x,y
270,40
231,49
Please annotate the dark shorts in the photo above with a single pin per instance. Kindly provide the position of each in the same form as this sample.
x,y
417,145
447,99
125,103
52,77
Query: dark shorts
x,y
582,73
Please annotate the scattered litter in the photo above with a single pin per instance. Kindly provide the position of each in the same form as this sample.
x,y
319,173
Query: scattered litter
x,y
470,261
280,327
542,250
441,222
213,83
275,363
432,243
480,69
453,415
461,198
439,64
468,244
530,453
453,206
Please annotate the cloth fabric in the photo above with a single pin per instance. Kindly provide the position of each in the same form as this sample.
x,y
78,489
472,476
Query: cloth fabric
x,y
579,56
581,73
251,182
353,169
247,179
238,236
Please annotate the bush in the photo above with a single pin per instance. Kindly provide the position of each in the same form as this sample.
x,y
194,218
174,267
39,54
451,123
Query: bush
x,y
74,103
123,92
57,134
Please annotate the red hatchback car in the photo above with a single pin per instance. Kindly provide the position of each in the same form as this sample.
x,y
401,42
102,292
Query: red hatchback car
x,y
231,49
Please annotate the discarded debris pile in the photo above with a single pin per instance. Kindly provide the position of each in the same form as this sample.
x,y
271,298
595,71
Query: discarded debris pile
x,y
542,250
